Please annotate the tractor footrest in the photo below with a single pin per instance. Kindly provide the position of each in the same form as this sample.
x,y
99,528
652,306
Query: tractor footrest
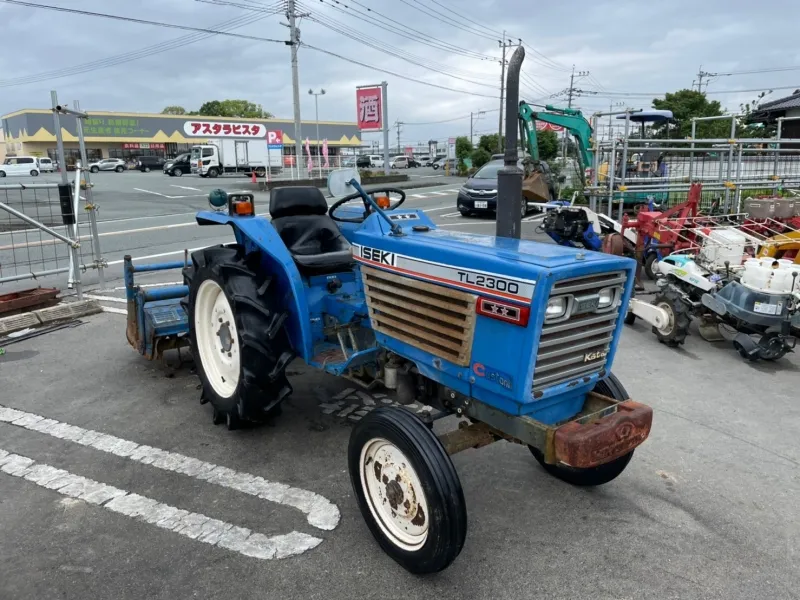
x,y
586,445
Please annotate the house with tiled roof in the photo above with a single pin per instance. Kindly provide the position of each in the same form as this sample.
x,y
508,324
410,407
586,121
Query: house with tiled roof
x,y
788,107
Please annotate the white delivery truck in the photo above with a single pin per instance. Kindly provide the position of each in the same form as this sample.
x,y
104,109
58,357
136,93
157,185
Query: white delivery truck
x,y
224,155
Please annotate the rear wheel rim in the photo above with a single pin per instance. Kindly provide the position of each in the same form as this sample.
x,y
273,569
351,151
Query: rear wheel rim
x,y
394,493
667,329
217,339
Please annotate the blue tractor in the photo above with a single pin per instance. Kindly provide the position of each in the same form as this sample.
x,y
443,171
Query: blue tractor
x,y
513,337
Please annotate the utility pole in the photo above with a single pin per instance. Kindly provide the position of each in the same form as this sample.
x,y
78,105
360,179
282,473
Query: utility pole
x,y
610,120
477,114
294,42
503,44
398,124
705,75
570,94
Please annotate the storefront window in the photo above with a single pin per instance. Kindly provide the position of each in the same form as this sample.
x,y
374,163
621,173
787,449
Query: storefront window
x,y
73,155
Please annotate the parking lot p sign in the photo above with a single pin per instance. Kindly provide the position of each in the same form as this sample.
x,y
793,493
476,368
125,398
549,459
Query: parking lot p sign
x,y
275,139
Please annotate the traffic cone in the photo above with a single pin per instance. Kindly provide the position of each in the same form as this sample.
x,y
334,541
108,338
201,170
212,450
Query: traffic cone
x,y
253,179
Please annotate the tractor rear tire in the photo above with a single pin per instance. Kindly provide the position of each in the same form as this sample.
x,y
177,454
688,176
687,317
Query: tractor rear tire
x,y
407,489
649,266
593,476
675,332
237,335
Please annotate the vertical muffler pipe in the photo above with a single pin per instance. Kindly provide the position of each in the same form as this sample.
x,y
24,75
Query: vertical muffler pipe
x,y
509,178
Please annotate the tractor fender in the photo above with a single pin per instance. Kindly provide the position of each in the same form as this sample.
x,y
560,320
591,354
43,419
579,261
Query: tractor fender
x,y
258,234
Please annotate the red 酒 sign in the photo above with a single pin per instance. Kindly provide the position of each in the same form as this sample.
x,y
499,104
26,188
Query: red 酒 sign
x,y
542,126
369,109
217,129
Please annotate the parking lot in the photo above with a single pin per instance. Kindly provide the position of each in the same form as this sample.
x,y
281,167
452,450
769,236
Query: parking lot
x,y
706,509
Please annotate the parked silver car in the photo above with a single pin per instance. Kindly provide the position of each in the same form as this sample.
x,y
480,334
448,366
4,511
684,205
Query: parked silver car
x,y
107,164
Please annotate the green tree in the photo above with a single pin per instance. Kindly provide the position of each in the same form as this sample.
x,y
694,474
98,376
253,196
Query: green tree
x,y
489,143
242,109
173,110
686,104
463,147
480,156
747,127
547,141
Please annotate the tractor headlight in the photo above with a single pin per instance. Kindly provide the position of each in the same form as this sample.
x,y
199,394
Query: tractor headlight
x,y
556,307
606,297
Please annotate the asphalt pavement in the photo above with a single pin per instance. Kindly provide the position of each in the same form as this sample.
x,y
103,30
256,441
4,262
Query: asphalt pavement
x,y
151,217
707,508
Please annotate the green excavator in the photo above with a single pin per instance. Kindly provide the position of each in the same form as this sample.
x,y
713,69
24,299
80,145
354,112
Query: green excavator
x,y
536,186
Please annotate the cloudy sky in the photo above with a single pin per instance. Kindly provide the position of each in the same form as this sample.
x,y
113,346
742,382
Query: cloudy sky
x,y
440,58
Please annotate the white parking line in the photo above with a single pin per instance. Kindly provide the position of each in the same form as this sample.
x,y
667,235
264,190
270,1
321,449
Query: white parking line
x,y
321,512
448,207
116,311
169,197
445,193
149,192
183,187
105,298
192,525
469,223
450,215
418,195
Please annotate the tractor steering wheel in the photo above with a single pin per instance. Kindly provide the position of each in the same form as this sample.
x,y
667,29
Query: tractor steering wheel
x,y
367,206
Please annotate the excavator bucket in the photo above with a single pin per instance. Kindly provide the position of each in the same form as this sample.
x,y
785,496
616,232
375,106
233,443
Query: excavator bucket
x,y
534,186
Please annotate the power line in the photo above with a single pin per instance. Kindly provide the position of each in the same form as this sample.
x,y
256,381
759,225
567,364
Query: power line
x,y
393,73
610,94
341,28
139,21
432,12
391,24
131,56
460,118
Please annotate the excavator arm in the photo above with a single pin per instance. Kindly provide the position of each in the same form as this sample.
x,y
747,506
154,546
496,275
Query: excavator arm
x,y
569,118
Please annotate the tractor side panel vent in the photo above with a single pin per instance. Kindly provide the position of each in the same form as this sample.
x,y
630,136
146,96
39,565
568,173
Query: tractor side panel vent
x,y
430,317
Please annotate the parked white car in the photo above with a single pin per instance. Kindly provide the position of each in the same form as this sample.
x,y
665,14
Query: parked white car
x,y
399,162
19,165
45,164
107,164
375,161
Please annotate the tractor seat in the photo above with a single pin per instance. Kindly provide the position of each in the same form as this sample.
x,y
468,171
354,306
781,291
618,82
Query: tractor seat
x,y
300,216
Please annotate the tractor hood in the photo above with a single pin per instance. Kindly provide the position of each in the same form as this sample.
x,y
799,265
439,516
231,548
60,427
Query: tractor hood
x,y
516,270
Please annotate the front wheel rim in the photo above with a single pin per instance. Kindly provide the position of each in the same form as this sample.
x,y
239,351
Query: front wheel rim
x,y
217,339
394,493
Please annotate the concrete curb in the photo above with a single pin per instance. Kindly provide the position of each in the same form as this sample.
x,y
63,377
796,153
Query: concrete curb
x,y
62,312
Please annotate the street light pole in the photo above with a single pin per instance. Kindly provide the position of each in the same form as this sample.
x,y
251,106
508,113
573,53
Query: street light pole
x,y
316,108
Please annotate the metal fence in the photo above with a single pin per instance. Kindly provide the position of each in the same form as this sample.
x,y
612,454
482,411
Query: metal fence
x,y
315,167
48,229
634,171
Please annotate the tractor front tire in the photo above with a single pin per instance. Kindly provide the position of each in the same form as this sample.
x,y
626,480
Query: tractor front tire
x,y
650,265
237,335
674,333
593,476
407,489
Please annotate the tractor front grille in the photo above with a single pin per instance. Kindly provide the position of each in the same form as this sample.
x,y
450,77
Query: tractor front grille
x,y
577,345
430,317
